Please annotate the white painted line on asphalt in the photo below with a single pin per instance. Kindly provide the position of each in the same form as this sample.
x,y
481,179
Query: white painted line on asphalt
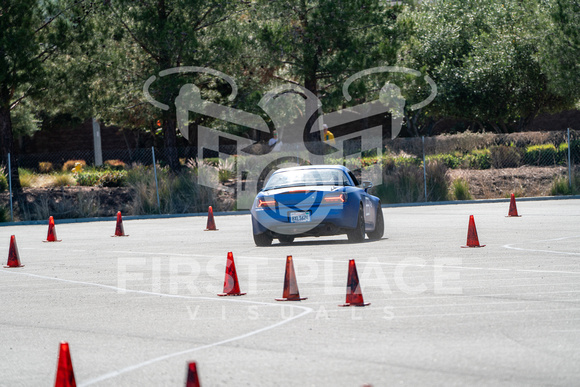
x,y
113,374
368,261
511,246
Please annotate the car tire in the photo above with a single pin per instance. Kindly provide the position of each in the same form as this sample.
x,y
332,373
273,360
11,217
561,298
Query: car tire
x,y
358,234
263,240
379,230
286,239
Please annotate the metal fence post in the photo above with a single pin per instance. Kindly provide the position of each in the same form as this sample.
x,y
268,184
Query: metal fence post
x,y
424,167
155,174
10,187
569,161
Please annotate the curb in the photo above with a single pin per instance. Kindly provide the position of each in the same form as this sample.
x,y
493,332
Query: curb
x,y
247,212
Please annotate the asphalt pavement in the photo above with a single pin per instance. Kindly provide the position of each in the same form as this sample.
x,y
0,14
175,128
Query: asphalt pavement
x,y
136,309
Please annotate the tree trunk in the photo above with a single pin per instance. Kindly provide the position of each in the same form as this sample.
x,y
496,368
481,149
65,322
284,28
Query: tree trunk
x,y
7,145
170,139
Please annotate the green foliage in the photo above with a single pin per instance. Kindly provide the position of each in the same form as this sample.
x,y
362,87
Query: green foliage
x,y
541,155
3,180
460,188
26,177
483,55
62,179
574,152
4,214
404,183
477,159
178,193
102,178
561,185
450,160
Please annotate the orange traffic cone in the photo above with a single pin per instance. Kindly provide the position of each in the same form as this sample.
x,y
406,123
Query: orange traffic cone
x,y
119,229
291,292
354,295
65,376
210,220
472,239
51,237
192,378
513,212
13,256
231,285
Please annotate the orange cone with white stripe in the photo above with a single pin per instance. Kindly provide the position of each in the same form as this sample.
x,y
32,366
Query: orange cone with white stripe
x,y
231,285
472,239
513,211
119,229
13,256
354,295
210,220
290,292
51,236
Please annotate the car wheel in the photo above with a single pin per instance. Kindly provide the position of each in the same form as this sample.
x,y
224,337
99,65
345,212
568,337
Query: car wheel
x,y
286,239
379,230
263,239
358,234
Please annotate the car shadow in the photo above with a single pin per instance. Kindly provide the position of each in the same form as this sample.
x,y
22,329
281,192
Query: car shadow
x,y
324,242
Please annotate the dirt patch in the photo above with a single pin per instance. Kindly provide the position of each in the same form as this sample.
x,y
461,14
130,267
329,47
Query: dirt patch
x,y
70,202
500,183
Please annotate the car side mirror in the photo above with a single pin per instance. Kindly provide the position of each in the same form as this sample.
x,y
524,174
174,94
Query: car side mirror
x,y
366,185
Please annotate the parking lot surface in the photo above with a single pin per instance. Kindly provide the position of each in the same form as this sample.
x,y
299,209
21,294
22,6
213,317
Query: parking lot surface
x,y
136,309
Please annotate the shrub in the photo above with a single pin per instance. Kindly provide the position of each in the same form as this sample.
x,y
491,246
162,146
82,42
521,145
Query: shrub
x,y
27,177
561,185
115,164
477,159
102,178
60,180
45,167
450,160
178,193
113,179
437,182
562,156
3,180
542,155
402,185
70,164
88,179
4,214
504,156
460,189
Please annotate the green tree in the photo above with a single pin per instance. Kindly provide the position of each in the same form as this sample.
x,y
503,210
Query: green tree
x,y
35,40
561,46
149,37
483,57
318,44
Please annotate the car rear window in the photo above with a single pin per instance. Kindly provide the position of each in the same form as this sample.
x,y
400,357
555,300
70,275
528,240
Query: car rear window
x,y
304,177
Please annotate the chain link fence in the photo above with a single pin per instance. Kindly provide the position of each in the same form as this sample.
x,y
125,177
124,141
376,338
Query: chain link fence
x,y
449,167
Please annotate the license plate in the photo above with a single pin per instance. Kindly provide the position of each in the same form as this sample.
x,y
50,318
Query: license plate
x,y
299,217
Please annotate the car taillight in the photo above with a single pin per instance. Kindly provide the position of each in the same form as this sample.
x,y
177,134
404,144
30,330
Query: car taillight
x,y
266,202
335,198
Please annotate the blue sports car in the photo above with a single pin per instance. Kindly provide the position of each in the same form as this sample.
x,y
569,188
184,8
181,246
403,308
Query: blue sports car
x,y
315,200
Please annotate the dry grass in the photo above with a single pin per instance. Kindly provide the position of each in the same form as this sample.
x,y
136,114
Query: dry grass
x,y
500,183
